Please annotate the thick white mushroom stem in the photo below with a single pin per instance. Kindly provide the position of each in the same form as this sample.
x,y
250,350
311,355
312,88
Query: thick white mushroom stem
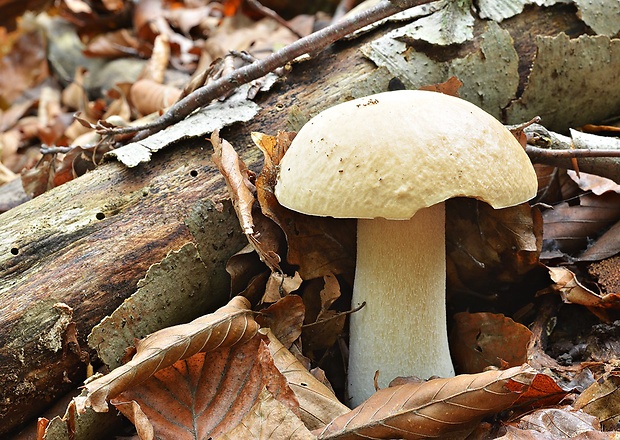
x,y
401,275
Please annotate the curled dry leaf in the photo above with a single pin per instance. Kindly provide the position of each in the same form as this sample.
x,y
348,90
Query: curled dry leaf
x,y
149,96
209,394
279,285
318,245
256,226
237,179
229,325
317,403
432,409
573,292
322,330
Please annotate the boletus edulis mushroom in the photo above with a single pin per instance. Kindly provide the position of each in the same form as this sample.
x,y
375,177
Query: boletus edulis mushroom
x,y
391,160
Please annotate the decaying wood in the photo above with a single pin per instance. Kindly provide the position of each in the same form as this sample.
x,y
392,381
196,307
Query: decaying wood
x,y
75,253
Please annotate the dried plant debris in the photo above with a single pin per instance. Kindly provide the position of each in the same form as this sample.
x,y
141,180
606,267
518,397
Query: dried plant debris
x,y
236,108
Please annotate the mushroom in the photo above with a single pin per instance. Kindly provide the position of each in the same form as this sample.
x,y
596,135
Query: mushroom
x,y
391,160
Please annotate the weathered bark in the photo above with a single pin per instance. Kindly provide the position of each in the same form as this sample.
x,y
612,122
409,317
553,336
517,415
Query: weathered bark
x,y
88,242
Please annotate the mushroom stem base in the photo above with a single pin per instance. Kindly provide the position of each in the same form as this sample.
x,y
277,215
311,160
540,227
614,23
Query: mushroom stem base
x,y
400,274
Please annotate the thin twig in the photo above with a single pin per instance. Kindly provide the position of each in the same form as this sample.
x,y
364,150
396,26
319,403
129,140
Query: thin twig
x,y
598,155
268,12
312,43
537,153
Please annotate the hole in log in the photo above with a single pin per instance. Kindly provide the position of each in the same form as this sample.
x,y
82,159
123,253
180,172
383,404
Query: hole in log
x,y
100,216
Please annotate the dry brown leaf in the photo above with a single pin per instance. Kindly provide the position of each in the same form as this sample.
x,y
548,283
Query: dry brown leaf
x,y
602,400
149,96
284,318
155,69
24,63
570,225
114,44
229,325
324,333
486,246
318,245
323,329
242,267
561,422
317,403
237,179
480,340
207,394
279,285
269,419
432,409
573,292
597,184
449,87
260,231
607,245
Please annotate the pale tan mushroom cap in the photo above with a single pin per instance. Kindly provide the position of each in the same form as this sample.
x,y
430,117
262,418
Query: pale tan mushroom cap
x,y
390,154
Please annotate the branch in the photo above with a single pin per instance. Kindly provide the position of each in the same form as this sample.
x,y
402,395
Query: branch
x,y
312,43
598,155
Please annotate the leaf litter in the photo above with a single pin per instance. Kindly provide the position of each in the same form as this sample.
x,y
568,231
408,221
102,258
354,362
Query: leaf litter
x,y
316,262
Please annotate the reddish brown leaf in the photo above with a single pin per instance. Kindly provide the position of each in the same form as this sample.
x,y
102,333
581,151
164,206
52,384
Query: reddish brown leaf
x,y
434,408
39,179
24,63
543,391
208,394
450,87
230,325
480,340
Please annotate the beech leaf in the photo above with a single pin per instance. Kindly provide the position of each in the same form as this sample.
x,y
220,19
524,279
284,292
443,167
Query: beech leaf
x,y
237,180
433,408
210,394
229,325
317,403
269,419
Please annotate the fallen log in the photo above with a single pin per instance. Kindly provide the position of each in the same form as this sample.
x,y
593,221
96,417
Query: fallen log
x,y
76,252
